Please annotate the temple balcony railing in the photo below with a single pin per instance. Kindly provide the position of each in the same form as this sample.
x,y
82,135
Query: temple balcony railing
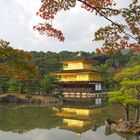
x,y
80,90
72,79
78,79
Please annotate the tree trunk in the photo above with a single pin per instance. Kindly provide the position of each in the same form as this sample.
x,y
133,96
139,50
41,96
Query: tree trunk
x,y
39,90
137,115
22,89
127,112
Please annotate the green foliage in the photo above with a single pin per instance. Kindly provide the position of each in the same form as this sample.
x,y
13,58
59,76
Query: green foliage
x,y
3,82
22,72
132,73
16,63
46,62
129,93
117,97
48,84
134,60
13,85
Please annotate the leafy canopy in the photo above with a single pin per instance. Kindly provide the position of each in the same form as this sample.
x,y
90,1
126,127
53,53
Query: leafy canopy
x,y
129,92
16,63
115,36
48,83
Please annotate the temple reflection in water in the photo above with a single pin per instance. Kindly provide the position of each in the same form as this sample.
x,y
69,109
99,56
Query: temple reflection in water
x,y
78,119
42,123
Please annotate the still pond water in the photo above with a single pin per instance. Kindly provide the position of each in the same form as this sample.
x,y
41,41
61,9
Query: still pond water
x,y
58,123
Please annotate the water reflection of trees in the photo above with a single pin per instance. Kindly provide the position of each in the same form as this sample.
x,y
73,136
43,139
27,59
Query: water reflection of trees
x,y
81,119
73,115
78,119
19,119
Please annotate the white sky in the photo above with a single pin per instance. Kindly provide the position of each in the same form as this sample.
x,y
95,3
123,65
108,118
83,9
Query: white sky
x,y
17,18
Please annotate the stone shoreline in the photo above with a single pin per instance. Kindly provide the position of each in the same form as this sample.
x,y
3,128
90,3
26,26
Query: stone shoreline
x,y
23,99
123,126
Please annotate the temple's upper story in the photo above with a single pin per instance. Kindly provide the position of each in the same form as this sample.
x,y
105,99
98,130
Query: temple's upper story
x,y
77,63
78,69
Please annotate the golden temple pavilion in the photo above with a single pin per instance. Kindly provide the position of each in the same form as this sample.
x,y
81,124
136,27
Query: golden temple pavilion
x,y
79,79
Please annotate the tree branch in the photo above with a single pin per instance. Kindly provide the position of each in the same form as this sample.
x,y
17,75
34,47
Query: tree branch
x,y
96,9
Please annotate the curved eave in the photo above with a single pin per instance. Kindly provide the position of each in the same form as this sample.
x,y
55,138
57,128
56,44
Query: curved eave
x,y
78,58
83,60
73,73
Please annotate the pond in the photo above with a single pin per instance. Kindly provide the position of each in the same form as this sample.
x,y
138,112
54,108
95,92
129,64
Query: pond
x,y
22,122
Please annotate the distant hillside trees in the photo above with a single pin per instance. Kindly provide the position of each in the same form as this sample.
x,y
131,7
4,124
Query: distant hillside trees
x,y
23,71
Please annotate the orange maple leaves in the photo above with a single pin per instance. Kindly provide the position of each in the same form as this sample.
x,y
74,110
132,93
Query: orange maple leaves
x,y
46,28
113,36
89,5
50,8
16,63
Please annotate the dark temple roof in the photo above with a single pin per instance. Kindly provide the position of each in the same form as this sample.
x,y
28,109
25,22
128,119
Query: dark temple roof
x,y
75,71
79,58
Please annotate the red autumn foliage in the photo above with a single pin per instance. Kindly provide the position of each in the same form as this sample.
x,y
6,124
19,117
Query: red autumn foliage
x,y
45,28
50,8
17,63
115,36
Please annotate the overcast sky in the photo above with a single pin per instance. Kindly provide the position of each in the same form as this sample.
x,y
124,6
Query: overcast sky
x,y
17,18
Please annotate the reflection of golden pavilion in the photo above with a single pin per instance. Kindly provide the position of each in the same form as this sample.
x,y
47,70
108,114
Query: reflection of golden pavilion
x,y
78,120
78,126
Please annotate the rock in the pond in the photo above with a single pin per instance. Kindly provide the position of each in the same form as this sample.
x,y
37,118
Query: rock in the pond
x,y
109,122
94,127
11,99
120,121
113,126
123,126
